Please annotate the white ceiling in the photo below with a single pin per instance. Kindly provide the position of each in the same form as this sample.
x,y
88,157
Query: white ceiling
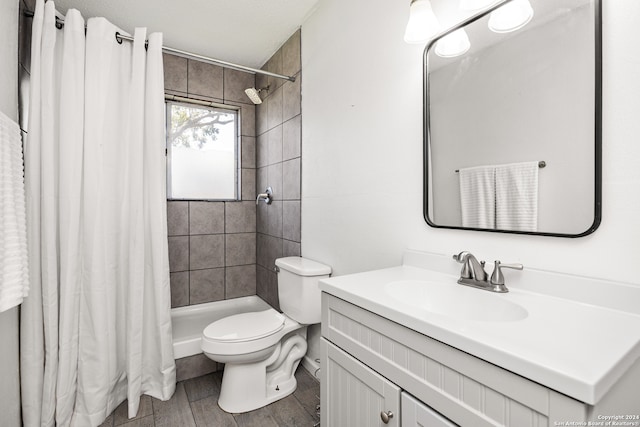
x,y
246,32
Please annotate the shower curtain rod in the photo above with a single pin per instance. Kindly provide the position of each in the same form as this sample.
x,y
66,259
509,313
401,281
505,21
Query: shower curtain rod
x,y
190,55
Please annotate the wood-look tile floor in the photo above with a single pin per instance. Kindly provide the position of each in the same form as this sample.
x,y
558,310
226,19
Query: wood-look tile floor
x,y
195,404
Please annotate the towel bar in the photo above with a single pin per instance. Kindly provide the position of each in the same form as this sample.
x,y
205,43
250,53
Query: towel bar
x,y
541,164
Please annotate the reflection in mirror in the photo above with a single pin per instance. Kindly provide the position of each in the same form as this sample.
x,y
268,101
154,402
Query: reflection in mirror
x,y
514,102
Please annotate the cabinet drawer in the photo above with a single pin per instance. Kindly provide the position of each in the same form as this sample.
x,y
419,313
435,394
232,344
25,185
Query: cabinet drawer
x,y
467,390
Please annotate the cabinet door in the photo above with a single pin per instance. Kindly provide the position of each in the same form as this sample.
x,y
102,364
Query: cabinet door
x,y
417,414
353,395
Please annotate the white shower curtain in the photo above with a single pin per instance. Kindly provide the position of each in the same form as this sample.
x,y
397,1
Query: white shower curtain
x,y
96,327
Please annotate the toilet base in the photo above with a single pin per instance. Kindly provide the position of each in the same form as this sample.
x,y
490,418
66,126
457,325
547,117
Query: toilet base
x,y
249,396
246,387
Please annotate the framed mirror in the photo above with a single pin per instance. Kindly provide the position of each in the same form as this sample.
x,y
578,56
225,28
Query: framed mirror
x,y
513,121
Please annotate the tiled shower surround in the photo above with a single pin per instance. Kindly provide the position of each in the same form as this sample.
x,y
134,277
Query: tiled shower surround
x,y
223,250
212,245
278,161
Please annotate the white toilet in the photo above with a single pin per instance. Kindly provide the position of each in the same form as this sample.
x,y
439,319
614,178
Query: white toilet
x,y
261,350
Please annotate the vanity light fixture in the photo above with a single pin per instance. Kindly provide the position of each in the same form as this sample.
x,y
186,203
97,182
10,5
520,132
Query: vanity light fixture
x,y
453,44
422,24
510,17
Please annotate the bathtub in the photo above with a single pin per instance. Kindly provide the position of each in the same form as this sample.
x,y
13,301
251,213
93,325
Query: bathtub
x,y
189,322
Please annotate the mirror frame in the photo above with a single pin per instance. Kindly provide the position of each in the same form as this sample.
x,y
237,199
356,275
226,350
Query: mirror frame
x,y
597,213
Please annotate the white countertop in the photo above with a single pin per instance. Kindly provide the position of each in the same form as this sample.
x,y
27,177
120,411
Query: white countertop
x,y
574,347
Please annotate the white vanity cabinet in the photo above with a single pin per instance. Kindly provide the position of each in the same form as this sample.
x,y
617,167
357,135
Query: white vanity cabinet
x,y
358,396
361,397
368,360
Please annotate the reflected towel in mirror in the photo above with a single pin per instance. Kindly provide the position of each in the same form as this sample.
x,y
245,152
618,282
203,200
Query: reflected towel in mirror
x,y
477,196
517,196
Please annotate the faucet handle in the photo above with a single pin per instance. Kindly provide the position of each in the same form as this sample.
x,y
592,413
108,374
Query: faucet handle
x,y
463,258
266,196
497,278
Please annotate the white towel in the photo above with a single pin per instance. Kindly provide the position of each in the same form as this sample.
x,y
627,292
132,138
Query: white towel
x,y
477,196
14,272
517,196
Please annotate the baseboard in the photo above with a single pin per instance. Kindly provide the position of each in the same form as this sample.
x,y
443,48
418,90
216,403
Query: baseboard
x,y
311,366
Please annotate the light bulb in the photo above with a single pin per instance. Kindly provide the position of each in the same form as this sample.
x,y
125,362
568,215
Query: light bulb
x,y
511,16
453,44
422,24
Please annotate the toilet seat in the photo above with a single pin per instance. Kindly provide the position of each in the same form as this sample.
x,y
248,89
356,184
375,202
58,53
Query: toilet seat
x,y
245,326
246,333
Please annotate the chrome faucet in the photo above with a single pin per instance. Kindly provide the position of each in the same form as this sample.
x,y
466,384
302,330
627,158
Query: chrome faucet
x,y
266,196
471,268
474,275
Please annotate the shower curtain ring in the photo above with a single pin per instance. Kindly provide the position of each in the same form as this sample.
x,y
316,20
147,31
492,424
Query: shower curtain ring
x,y
118,38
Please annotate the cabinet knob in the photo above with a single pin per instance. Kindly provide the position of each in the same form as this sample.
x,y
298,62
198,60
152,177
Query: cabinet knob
x,y
386,416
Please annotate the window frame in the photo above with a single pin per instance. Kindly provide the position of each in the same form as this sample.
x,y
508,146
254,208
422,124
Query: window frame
x,y
209,105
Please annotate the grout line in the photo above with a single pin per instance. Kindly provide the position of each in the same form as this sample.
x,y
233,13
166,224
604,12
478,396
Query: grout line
x,y
187,76
207,268
224,219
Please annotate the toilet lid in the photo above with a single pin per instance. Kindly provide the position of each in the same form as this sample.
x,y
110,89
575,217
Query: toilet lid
x,y
245,326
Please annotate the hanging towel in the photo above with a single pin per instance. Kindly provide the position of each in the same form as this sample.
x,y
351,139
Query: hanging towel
x,y
477,196
517,196
14,273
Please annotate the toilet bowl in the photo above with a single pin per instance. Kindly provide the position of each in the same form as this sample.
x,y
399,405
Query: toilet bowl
x,y
261,350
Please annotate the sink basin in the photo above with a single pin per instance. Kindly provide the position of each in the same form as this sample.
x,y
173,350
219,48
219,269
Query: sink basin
x,y
456,301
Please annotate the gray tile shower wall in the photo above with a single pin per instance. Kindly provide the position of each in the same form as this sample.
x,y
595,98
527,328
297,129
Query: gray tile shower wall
x,y
278,161
212,245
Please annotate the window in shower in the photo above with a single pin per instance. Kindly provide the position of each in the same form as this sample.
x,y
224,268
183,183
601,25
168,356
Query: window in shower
x,y
202,152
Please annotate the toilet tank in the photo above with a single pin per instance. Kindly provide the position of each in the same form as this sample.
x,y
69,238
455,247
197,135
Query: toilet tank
x,y
298,291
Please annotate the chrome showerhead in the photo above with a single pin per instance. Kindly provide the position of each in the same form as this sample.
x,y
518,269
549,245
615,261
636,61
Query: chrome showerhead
x,y
254,94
